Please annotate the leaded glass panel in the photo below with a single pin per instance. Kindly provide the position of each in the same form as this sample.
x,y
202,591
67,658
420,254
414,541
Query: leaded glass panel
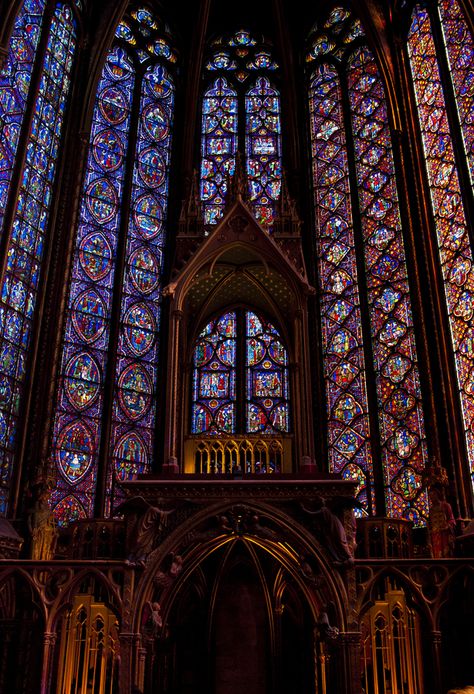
x,y
451,226
21,277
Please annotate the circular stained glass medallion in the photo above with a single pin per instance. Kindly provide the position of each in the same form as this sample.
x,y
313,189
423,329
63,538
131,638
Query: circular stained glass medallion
x,y
74,451
82,380
144,270
151,167
135,391
148,215
88,315
108,150
131,457
101,200
156,122
113,105
95,255
139,328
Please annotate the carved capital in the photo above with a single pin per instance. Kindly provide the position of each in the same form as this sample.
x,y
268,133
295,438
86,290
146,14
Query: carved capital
x,y
49,638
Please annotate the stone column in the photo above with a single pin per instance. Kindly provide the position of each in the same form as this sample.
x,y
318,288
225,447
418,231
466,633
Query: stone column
x,y
173,393
349,643
125,663
49,641
437,680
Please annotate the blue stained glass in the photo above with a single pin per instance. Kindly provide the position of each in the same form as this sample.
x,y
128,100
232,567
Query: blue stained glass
x,y
86,343
25,248
216,395
263,148
214,377
138,344
267,378
218,147
15,79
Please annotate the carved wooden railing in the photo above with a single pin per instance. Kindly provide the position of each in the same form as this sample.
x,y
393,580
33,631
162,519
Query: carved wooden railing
x,y
388,538
238,455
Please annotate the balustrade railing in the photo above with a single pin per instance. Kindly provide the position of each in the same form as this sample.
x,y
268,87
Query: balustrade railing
x,y
238,455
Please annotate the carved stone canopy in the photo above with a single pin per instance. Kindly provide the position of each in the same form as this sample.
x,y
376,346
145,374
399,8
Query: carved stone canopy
x,y
240,262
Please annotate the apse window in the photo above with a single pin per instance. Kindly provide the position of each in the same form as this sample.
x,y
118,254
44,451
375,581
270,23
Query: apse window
x,y
240,113
240,377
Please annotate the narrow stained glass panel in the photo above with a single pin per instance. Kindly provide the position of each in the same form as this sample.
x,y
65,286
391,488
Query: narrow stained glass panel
x,y
25,249
263,148
266,362
344,365
77,426
138,348
460,50
15,78
218,147
451,227
214,378
403,440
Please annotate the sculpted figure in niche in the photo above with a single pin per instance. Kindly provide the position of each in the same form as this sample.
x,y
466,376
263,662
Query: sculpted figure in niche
x,y
442,524
335,537
149,524
42,527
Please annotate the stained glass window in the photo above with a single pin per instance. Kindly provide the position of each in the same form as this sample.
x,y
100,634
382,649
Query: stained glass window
x,y
238,353
138,345
15,79
25,244
386,354
460,53
452,232
218,147
262,108
214,388
267,377
344,363
238,59
111,335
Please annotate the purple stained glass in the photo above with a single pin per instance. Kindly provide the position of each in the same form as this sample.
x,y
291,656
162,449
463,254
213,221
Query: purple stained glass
x,y
451,226
344,368
401,425
214,378
263,149
86,341
138,344
19,288
460,51
15,78
218,147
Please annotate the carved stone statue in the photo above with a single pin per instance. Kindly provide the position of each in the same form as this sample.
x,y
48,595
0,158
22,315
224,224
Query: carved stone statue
x,y
148,526
441,524
42,527
327,632
335,537
155,619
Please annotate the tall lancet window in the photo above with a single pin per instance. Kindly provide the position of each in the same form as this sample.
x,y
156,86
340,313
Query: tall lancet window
x,y
375,420
105,419
441,51
241,113
32,116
